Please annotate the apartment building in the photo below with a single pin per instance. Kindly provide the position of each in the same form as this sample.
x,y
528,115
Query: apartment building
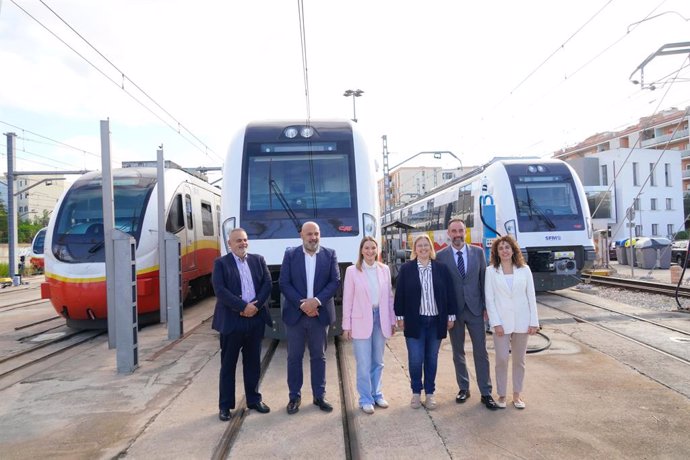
x,y
37,195
408,183
645,166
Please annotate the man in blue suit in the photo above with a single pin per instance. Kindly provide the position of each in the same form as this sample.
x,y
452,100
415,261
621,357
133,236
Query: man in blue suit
x,y
309,278
242,284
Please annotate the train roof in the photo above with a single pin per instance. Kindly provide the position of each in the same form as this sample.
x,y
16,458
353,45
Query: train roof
x,y
478,170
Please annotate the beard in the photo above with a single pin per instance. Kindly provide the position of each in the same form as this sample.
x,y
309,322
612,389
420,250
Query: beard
x,y
311,246
458,241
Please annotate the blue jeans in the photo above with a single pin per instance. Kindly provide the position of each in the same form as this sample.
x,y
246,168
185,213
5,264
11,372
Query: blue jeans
x,y
422,354
369,357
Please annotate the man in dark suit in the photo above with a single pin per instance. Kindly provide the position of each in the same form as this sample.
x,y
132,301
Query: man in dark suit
x,y
242,284
309,278
467,265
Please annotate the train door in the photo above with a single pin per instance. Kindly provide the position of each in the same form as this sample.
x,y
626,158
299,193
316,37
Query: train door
x,y
189,246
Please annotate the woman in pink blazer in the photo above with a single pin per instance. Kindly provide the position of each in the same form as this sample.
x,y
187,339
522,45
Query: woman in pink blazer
x,y
512,307
368,320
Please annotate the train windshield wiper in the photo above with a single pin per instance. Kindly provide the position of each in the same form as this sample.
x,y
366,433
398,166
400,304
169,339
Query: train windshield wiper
x,y
540,213
96,247
278,193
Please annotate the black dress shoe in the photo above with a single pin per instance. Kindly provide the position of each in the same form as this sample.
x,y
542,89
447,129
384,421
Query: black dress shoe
x,y
293,406
463,395
224,415
489,402
323,404
260,407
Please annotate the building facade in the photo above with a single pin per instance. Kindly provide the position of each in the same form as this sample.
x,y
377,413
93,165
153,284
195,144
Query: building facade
x,y
409,183
36,199
645,167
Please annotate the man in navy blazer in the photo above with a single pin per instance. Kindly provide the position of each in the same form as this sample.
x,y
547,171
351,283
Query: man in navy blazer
x,y
469,290
309,278
242,284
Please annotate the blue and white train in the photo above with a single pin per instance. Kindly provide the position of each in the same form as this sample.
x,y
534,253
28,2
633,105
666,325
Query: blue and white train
x,y
541,203
280,174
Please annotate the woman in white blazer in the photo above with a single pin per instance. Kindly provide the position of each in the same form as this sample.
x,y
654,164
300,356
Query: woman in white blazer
x,y
512,307
368,319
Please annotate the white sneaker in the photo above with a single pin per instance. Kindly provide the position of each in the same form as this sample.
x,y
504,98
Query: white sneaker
x,y
501,402
368,408
430,402
416,401
382,403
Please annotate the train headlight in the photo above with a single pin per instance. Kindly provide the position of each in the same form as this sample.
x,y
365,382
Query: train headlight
x,y
510,228
307,131
290,133
368,225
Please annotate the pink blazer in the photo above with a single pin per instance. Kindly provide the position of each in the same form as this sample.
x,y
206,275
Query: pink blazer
x,y
357,311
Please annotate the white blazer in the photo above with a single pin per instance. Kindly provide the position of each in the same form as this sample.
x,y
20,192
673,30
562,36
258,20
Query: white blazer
x,y
513,308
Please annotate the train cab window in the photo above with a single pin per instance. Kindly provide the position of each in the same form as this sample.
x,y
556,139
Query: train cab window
x,y
288,182
175,221
206,219
547,200
190,215
78,231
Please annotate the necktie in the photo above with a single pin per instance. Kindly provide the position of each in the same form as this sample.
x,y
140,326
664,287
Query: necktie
x,y
461,264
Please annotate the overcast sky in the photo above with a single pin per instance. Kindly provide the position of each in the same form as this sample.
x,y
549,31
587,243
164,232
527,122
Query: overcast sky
x,y
479,79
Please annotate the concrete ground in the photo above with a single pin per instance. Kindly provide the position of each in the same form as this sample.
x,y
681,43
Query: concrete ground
x,y
581,403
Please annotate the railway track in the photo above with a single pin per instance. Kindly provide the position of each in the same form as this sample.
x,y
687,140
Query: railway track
x,y
638,285
224,445
46,344
23,304
634,325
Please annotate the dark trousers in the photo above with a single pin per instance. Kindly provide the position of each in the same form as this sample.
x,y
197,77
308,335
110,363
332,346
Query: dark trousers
x,y
246,337
314,334
477,331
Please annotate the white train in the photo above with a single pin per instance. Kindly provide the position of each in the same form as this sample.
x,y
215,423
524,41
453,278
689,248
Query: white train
x,y
541,203
280,174
74,250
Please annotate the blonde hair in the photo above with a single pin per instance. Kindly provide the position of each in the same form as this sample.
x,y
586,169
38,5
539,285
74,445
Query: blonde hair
x,y
424,236
360,256
517,258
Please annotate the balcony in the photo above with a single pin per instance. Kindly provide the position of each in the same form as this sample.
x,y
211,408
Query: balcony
x,y
663,139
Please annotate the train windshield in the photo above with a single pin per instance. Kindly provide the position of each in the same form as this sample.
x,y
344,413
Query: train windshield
x,y
546,201
290,183
39,240
78,234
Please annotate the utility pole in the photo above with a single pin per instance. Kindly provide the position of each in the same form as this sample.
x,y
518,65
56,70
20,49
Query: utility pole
x,y
11,209
386,179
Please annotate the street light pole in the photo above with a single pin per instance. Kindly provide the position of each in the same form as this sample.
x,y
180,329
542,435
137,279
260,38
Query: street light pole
x,y
354,93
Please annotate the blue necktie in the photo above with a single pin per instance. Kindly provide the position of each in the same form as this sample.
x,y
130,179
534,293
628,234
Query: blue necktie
x,y
461,264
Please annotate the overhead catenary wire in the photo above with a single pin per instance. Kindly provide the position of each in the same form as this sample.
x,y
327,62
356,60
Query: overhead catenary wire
x,y
49,139
559,48
303,46
636,146
587,63
179,126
